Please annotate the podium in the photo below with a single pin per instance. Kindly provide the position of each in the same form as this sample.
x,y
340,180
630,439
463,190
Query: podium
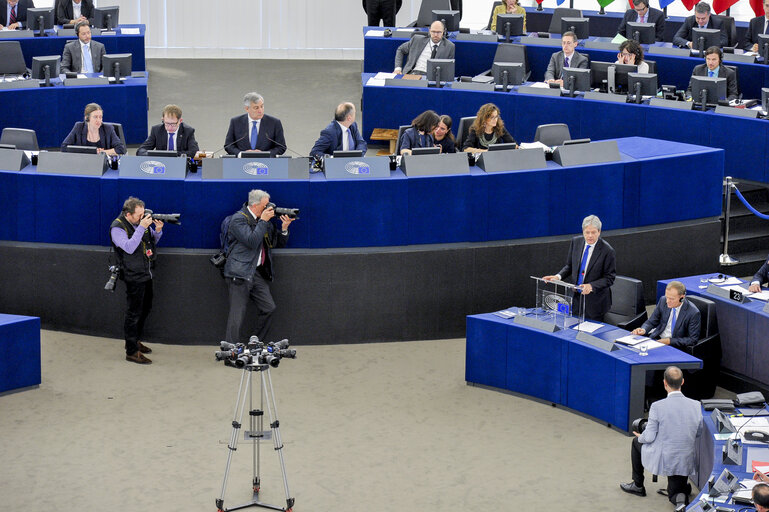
x,y
153,167
356,168
257,169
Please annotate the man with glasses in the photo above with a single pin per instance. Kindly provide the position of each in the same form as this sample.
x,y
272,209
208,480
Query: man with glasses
x,y
567,58
171,135
642,13
701,19
419,51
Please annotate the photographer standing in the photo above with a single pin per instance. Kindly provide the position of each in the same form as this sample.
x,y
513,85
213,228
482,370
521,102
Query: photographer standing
x,y
134,238
248,271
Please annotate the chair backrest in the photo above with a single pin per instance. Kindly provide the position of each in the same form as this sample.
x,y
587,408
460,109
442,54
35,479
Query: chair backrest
x,y
401,129
652,66
425,17
736,77
11,58
491,14
462,129
562,12
728,26
22,138
511,52
552,134
708,319
627,296
119,130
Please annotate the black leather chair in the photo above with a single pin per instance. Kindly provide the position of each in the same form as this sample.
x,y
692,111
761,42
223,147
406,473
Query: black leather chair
x,y
652,66
462,129
552,134
425,16
628,310
11,58
702,383
511,52
119,130
491,14
562,12
728,26
22,138
401,129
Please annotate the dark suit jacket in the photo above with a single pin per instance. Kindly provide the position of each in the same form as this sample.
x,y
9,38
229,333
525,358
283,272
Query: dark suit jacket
x,y
65,13
411,138
723,72
653,16
398,4
555,66
687,329
600,273
762,276
684,34
72,58
158,139
414,47
330,140
108,139
751,36
237,139
21,11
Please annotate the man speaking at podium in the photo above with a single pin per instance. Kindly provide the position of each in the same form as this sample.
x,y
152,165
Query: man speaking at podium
x,y
592,267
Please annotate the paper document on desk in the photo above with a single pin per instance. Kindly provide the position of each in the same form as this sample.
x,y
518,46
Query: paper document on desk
x,y
507,313
762,295
532,145
726,282
375,82
723,437
619,39
541,85
590,327
632,339
130,31
749,421
737,288
384,76
375,33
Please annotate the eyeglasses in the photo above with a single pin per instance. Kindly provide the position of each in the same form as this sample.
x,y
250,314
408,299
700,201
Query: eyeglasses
x,y
625,54
171,125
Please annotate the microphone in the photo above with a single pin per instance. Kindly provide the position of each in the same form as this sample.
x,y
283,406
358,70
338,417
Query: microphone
x,y
230,144
284,146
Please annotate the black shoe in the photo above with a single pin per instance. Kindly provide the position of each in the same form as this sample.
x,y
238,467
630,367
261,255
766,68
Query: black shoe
x,y
632,488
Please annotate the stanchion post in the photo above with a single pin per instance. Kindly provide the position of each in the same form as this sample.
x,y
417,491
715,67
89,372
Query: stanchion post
x,y
725,259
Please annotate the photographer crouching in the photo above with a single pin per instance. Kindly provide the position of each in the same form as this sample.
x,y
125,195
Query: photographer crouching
x,y
248,271
134,236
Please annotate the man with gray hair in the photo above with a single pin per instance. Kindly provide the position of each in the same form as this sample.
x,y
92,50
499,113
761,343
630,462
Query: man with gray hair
x,y
700,19
675,322
255,130
591,265
251,236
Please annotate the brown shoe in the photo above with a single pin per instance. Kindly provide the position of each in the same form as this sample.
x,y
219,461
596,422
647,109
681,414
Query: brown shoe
x,y
137,358
144,349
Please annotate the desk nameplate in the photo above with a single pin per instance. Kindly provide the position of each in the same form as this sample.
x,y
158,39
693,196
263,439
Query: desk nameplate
x,y
257,169
153,167
13,160
357,168
83,164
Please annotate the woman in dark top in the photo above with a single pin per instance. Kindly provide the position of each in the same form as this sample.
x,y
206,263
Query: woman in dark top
x,y
487,129
93,132
419,135
443,136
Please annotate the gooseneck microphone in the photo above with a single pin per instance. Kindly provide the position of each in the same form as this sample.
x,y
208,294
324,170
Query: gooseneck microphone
x,y
285,147
229,144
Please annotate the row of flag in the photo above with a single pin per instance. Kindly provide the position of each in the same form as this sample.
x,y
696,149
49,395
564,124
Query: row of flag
x,y
719,6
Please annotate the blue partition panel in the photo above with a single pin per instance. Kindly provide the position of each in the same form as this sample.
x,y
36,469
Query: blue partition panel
x,y
20,343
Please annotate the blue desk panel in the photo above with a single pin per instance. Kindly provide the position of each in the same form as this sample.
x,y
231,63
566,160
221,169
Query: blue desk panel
x,y
53,111
20,343
744,140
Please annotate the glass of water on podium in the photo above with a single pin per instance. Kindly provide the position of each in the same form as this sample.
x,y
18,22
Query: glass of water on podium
x,y
643,349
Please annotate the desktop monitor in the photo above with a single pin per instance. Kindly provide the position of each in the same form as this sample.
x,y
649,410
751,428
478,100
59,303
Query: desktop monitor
x,y
642,84
507,73
440,70
510,25
106,17
576,79
708,90
7,146
89,150
449,18
644,33
426,151
572,142
46,67
601,71
40,18
254,154
116,65
580,26
503,146
763,46
765,99
353,153
704,38
162,152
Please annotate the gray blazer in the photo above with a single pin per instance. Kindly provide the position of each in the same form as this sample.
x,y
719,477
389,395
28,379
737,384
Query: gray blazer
x,y
668,444
414,47
72,58
555,67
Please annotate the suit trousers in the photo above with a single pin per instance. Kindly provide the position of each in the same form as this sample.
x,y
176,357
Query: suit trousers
x,y
240,291
139,298
676,483
380,10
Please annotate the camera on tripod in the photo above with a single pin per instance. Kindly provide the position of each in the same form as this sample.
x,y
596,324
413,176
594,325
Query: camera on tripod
x,y
238,355
292,213
114,272
168,218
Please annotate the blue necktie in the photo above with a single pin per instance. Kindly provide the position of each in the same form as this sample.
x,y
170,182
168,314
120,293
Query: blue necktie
x,y
170,142
87,60
673,324
350,141
254,134
711,74
583,265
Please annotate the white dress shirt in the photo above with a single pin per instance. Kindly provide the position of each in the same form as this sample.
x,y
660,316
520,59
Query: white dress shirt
x,y
668,332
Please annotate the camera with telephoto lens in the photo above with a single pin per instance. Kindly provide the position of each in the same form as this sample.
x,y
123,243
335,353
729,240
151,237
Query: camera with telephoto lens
x,y
293,213
168,218
639,425
238,355
114,272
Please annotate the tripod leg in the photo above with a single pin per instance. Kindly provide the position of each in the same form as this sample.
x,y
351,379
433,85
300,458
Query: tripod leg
x,y
256,423
240,405
275,426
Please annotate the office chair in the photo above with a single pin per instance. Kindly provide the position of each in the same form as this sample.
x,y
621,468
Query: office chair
x,y
11,58
562,12
462,130
401,129
552,134
21,138
628,310
119,130
702,383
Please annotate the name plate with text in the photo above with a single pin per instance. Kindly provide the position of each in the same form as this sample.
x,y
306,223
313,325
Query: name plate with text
x,y
256,168
153,167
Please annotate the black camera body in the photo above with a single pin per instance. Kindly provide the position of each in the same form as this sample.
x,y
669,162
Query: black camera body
x,y
293,213
114,273
639,425
239,355
168,218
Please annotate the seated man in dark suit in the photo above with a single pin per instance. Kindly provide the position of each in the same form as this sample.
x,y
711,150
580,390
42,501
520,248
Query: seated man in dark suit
x,y
342,134
714,67
13,13
675,321
82,55
642,13
72,12
255,130
591,265
419,51
758,25
566,58
761,277
171,135
701,19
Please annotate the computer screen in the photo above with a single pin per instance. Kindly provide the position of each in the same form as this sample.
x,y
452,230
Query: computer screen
x,y
711,89
106,17
440,70
502,146
449,18
353,153
599,71
644,33
162,152
576,79
704,38
509,25
34,15
254,154
116,65
46,67
580,26
91,150
507,73
425,151
643,83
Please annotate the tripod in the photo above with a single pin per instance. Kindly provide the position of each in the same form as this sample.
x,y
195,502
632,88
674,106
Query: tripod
x,y
255,434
